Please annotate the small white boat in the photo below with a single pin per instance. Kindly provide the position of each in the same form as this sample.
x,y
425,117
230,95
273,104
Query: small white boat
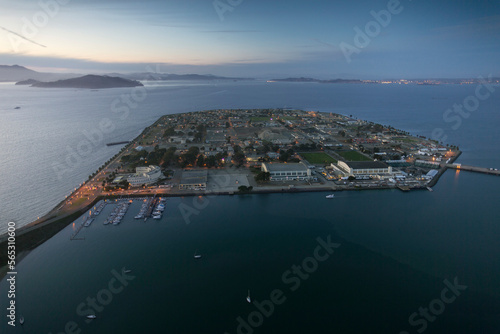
x,y
196,255
126,271
91,316
157,217
330,196
21,320
139,217
248,297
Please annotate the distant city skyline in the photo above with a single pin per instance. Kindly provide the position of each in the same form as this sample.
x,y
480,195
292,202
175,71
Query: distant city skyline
x,y
379,39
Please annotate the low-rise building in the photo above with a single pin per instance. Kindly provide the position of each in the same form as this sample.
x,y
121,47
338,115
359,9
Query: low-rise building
x,y
354,168
194,180
145,175
287,171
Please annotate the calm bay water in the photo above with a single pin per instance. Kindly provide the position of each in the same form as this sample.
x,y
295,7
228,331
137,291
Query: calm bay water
x,y
395,248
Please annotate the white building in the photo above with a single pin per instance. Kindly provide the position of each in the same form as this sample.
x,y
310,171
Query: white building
x,y
145,175
290,171
354,168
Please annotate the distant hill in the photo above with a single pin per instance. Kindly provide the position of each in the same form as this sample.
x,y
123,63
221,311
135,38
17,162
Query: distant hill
x,y
165,76
89,81
18,73
27,82
302,79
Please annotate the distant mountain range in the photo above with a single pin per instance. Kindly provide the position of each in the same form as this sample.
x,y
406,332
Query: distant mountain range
x,y
302,79
18,73
87,81
149,76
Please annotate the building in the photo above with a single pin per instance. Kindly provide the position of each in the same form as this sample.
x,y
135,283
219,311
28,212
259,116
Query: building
x,y
194,180
354,168
145,175
283,172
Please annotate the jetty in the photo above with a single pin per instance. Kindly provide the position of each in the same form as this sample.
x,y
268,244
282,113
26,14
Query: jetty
x,y
474,169
118,143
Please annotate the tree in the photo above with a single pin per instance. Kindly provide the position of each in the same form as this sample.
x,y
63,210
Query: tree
x,y
201,161
169,132
194,150
262,177
211,161
239,158
244,189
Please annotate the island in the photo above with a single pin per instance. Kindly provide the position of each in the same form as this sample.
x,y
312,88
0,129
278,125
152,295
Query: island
x,y
87,81
27,82
252,151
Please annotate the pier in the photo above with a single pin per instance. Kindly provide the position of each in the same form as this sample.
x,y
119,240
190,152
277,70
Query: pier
x,y
473,169
79,228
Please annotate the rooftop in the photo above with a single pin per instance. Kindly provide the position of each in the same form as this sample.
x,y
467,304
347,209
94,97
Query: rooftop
x,y
366,164
194,177
286,167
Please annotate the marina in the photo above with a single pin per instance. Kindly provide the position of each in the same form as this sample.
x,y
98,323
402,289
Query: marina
x,y
116,216
151,207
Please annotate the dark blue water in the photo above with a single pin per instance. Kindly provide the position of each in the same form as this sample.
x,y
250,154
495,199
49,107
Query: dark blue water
x,y
396,249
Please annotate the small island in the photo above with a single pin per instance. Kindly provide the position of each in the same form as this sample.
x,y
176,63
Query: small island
x,y
87,82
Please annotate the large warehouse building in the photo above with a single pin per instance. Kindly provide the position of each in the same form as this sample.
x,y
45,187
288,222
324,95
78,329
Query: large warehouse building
x,y
283,172
354,168
194,180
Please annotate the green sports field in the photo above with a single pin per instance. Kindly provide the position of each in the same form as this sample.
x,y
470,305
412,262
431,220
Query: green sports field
x,y
318,158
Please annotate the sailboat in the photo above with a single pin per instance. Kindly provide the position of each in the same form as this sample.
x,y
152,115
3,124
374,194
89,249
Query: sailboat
x,y
248,297
196,255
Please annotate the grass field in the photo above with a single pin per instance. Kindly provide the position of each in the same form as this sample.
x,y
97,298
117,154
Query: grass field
x,y
318,158
353,156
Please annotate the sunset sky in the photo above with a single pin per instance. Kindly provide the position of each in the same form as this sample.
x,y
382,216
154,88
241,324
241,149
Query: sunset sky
x,y
424,38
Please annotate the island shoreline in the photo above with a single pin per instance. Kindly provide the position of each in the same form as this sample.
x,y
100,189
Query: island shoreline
x,y
32,235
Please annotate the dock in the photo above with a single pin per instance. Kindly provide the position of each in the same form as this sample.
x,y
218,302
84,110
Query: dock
x,y
403,188
474,169
79,228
